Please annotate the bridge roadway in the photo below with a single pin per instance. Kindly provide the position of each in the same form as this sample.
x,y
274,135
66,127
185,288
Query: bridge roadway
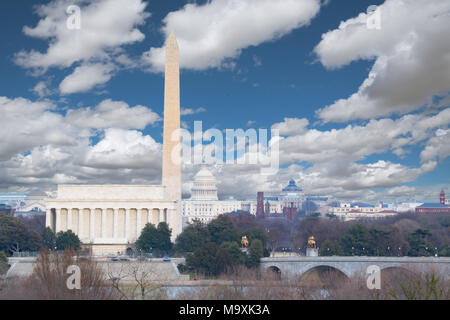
x,y
354,266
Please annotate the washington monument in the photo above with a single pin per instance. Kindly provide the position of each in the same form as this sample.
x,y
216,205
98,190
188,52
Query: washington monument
x,y
171,166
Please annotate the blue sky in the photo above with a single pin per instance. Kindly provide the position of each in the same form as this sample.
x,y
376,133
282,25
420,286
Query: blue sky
x,y
249,78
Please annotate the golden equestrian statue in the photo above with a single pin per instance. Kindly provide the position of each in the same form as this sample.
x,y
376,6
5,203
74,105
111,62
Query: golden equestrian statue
x,y
244,241
311,242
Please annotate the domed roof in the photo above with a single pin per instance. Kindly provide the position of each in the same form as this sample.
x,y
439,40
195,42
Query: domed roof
x,y
292,186
204,174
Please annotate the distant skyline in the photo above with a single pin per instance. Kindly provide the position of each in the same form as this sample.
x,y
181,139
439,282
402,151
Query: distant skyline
x,y
364,113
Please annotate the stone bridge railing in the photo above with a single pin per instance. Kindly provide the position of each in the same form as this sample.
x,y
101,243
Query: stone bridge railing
x,y
354,266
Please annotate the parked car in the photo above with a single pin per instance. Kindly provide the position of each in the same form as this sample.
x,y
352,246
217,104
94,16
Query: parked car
x,y
166,259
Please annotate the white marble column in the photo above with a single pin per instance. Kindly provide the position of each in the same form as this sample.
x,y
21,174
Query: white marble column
x,y
116,223
80,223
91,224
103,229
69,219
127,224
48,218
149,215
138,222
58,220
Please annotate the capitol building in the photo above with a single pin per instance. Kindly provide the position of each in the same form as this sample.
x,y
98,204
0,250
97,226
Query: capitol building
x,y
204,204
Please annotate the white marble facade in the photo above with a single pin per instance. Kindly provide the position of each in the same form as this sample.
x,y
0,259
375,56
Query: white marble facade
x,y
110,217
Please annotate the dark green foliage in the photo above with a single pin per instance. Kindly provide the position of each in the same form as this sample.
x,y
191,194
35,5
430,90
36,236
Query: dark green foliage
x,y
209,259
356,240
445,223
15,236
420,246
67,240
222,230
48,239
164,234
256,233
331,248
219,241
153,238
255,253
237,256
445,251
3,258
192,237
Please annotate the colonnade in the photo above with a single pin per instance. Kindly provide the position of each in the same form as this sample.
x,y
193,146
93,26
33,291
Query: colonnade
x,y
104,224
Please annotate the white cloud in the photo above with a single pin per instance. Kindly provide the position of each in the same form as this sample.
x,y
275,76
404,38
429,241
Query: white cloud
x,y
190,111
85,77
411,53
106,26
401,191
27,124
124,149
212,33
41,89
291,126
437,147
110,113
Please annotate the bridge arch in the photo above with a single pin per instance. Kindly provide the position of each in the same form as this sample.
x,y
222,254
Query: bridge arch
x,y
322,275
273,272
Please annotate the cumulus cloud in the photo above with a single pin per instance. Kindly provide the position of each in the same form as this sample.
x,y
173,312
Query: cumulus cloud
x,y
212,33
117,114
85,77
291,126
401,191
355,142
41,89
41,147
106,26
190,111
27,124
124,149
437,147
411,54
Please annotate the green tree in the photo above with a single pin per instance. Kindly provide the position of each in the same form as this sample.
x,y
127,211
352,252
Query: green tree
x,y
222,230
155,238
48,239
378,241
331,248
148,239
255,253
192,237
164,234
67,240
237,256
445,251
419,244
209,259
355,240
15,236
256,233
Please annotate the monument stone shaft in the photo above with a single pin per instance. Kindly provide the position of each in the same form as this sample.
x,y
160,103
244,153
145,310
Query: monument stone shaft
x,y
171,174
